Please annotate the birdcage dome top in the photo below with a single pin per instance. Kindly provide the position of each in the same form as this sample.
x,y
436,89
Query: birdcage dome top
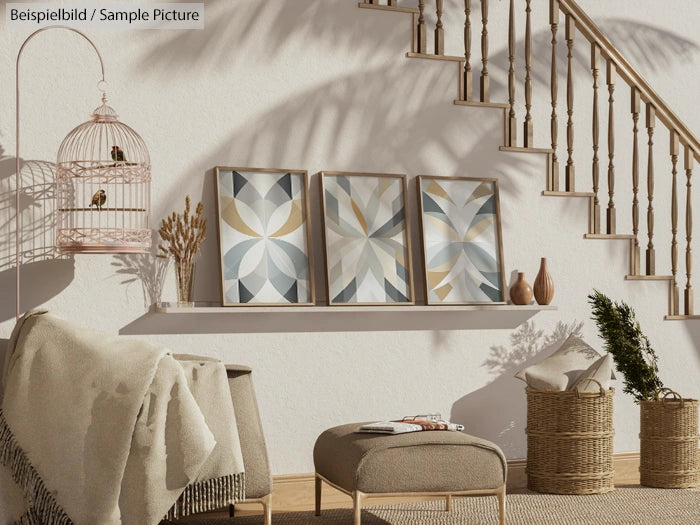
x,y
103,142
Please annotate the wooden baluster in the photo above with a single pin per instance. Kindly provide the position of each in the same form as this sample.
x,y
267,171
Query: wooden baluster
x,y
595,67
467,81
675,150
570,172
636,109
651,252
554,22
527,125
688,165
439,31
610,79
485,81
422,31
512,121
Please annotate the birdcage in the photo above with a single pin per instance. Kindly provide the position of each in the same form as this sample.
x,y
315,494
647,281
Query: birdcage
x,y
103,187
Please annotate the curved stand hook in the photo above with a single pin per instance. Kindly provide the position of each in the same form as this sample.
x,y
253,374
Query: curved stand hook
x,y
17,175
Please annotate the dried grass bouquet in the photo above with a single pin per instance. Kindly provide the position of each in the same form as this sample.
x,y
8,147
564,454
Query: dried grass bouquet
x,y
182,235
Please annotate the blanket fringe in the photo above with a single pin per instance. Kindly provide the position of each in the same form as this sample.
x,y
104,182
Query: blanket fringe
x,y
208,495
43,509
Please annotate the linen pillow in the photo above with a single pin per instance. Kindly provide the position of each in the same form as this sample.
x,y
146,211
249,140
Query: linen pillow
x,y
600,370
563,368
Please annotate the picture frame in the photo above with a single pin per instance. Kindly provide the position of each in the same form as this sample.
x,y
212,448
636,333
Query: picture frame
x,y
461,240
366,238
264,237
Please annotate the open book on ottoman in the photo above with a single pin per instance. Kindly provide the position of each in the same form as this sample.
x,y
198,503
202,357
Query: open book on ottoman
x,y
411,424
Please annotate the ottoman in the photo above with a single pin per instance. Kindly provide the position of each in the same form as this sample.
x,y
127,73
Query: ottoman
x,y
438,463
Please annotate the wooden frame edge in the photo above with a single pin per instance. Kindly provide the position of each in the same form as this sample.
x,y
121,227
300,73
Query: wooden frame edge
x,y
307,229
499,232
408,252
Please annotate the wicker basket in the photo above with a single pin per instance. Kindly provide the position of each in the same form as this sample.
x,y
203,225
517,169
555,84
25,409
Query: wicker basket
x,y
570,441
669,442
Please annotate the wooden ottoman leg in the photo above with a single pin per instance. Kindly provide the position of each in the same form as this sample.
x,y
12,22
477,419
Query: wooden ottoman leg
x,y
501,494
357,506
319,484
267,508
448,503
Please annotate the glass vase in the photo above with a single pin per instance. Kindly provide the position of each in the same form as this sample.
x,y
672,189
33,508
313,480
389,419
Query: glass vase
x,y
184,279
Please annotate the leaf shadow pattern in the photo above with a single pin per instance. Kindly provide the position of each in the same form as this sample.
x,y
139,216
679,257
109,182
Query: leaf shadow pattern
x,y
527,342
498,411
231,33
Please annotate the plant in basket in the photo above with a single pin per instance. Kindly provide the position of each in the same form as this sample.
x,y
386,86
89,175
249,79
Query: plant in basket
x,y
631,350
669,424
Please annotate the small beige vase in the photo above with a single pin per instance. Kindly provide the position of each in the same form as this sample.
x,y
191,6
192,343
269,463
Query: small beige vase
x,y
544,286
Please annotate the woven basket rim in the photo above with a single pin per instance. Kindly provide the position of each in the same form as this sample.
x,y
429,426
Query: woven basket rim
x,y
564,393
669,401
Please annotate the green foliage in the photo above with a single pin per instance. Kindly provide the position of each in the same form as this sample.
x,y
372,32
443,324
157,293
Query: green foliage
x,y
634,357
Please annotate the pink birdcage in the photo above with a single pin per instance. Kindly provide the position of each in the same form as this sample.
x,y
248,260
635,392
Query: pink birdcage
x,y
103,187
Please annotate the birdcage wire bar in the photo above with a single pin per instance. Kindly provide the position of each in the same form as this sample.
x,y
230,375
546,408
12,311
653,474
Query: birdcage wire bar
x,y
103,183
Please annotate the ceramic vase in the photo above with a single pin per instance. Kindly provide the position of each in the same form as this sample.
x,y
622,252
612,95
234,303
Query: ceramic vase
x,y
544,286
521,291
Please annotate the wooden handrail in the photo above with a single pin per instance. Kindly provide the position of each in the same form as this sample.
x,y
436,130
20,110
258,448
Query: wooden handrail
x,y
593,34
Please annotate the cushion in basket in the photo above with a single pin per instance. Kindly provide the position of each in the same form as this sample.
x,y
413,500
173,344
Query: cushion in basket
x,y
562,369
600,370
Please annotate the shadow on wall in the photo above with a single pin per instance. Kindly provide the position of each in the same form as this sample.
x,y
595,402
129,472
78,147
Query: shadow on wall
x,y
229,28
498,411
646,47
145,268
44,274
411,110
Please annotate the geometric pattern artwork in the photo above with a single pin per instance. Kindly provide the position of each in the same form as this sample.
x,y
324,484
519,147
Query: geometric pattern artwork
x,y
263,236
368,258
461,236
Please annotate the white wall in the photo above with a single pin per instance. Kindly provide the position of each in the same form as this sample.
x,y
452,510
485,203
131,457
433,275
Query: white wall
x,y
323,85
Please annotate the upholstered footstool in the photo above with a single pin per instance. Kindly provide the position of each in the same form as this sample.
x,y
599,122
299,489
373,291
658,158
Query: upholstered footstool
x,y
439,463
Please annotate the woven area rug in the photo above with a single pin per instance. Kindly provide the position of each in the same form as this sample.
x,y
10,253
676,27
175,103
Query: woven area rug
x,y
623,506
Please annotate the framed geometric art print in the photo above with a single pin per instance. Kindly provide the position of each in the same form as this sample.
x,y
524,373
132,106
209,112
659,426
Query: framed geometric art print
x,y
461,238
367,246
264,244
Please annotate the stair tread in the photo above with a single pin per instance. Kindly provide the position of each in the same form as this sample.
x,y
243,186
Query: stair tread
x,y
682,317
397,9
517,149
649,277
567,193
608,236
476,103
436,57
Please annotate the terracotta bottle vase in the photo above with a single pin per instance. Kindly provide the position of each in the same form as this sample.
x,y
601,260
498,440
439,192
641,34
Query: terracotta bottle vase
x,y
544,286
521,291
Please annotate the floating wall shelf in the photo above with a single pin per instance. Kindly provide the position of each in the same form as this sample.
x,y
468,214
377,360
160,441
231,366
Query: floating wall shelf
x,y
214,308
209,318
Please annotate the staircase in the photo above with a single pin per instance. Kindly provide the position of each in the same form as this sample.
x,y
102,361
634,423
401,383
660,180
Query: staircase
x,y
684,147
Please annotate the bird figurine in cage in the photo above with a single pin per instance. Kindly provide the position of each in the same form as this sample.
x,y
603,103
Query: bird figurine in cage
x,y
117,154
99,199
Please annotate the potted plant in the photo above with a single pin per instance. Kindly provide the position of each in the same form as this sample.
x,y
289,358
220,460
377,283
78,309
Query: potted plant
x,y
668,423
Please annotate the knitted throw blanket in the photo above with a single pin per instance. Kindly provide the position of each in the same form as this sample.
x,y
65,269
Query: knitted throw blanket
x,y
97,428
